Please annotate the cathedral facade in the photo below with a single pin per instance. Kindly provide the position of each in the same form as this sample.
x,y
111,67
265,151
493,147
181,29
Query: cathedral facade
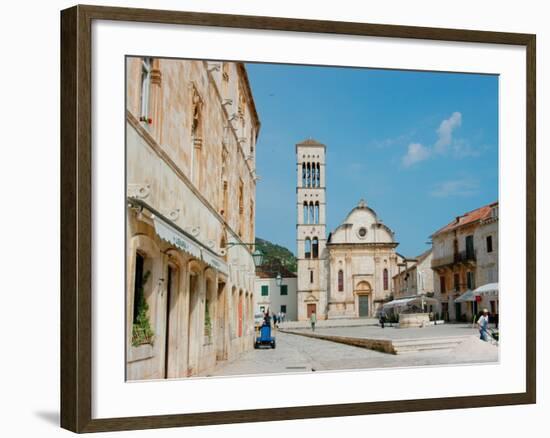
x,y
348,274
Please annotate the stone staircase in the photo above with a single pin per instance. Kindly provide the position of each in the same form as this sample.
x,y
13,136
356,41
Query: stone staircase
x,y
392,346
404,346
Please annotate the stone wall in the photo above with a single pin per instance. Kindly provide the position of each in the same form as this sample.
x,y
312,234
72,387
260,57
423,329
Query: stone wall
x,y
190,161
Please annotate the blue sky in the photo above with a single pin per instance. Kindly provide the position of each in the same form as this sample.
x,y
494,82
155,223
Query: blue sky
x,y
419,147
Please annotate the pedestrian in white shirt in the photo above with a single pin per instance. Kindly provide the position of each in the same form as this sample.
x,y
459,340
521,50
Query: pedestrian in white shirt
x,y
483,324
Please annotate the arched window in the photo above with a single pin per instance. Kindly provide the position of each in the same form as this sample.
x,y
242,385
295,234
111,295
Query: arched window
x,y
340,281
145,87
307,251
385,279
306,213
311,213
308,175
317,212
303,174
318,175
315,248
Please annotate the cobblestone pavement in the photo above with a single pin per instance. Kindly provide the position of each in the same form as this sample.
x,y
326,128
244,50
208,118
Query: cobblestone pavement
x,y
296,354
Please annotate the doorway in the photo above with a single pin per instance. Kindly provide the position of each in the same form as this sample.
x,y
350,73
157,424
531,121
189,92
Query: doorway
x,y
170,329
310,310
458,311
221,315
240,315
363,306
192,339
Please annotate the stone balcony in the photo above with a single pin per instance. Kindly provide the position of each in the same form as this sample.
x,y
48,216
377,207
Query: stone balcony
x,y
461,257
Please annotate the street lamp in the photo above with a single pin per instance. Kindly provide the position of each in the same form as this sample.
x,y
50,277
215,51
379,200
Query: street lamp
x,y
258,257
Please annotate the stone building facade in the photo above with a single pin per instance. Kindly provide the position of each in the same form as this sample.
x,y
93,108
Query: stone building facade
x,y
190,161
465,256
362,261
268,296
349,274
415,276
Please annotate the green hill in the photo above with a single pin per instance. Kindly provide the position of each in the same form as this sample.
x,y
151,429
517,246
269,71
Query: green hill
x,y
276,254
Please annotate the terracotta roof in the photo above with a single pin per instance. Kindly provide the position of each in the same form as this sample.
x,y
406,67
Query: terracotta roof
x,y
477,215
268,272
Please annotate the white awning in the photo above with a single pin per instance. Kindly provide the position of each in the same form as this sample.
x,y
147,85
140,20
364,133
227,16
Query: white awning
x,y
410,300
215,262
397,303
168,233
469,295
489,289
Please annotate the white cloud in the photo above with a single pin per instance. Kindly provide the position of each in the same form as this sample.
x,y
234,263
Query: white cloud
x,y
445,132
415,153
445,143
459,187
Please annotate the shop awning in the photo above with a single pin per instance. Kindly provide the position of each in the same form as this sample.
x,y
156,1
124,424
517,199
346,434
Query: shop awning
x,y
409,301
177,237
215,262
489,289
168,233
469,295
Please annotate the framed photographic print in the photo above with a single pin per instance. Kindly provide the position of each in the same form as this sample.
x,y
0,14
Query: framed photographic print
x,y
338,215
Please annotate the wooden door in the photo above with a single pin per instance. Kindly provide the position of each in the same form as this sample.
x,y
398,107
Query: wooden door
x,y
310,310
363,306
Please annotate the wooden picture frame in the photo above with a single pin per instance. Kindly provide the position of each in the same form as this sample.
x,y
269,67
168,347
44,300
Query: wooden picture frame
x,y
76,217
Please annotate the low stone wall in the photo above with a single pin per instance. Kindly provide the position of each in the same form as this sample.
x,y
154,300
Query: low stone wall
x,y
383,345
408,320
329,323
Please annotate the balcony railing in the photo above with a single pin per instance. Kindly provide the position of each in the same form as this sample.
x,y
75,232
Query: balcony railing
x,y
456,258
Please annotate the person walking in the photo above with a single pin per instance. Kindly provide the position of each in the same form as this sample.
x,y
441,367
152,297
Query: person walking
x,y
483,324
313,320
382,317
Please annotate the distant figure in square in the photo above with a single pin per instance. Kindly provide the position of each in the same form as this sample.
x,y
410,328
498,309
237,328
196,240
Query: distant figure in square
x,y
382,317
483,324
313,320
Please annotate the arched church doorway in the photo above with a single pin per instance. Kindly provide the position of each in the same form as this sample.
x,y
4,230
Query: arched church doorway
x,y
311,309
363,291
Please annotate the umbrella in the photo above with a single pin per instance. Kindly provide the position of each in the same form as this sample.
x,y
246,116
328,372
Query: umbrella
x,y
489,289
410,300
469,295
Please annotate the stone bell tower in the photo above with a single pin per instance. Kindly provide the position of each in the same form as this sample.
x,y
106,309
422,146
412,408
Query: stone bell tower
x,y
311,229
